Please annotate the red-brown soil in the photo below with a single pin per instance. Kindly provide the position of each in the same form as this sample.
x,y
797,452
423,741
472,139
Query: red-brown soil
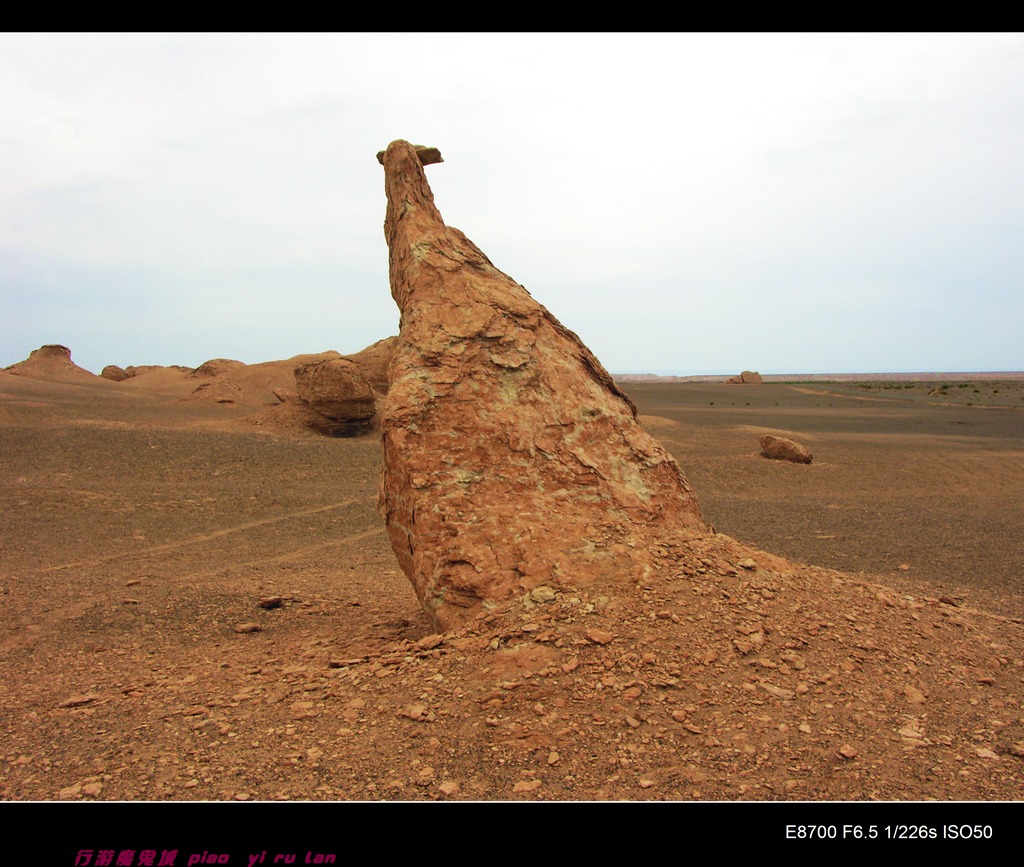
x,y
143,531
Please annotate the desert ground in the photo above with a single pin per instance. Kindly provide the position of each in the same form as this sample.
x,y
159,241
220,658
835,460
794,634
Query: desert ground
x,y
918,484
199,602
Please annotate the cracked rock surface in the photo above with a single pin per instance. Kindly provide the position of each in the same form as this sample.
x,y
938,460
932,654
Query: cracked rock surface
x,y
512,460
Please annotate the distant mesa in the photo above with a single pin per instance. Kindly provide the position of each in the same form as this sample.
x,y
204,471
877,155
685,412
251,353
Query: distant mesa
x,y
641,377
748,377
512,461
784,449
50,362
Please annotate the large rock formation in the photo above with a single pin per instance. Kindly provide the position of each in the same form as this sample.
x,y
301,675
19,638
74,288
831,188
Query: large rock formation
x,y
512,460
375,361
337,391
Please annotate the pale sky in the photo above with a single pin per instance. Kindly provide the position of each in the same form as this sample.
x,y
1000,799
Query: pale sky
x,y
685,203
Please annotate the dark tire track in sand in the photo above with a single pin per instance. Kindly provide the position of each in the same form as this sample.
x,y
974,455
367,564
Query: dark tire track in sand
x,y
199,539
45,621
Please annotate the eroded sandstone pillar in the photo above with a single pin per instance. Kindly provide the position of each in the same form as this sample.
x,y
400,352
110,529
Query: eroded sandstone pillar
x,y
511,458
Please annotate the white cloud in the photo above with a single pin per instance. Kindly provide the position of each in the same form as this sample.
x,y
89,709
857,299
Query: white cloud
x,y
656,191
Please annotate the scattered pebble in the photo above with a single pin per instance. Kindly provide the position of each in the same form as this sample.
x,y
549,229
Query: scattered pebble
x,y
913,695
245,628
79,700
777,691
543,594
415,711
527,786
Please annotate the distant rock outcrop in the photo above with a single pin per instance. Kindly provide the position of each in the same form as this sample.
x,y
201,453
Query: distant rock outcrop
x,y
218,367
218,391
748,377
337,391
341,393
51,361
783,449
133,370
114,373
119,374
512,460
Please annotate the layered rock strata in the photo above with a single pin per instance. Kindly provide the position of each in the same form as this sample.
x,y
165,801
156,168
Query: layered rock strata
x,y
339,395
512,460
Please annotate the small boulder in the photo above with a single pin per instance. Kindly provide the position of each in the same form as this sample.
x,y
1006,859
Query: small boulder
x,y
782,449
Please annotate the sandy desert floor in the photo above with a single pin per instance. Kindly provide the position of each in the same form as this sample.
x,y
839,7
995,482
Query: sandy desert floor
x,y
921,485
200,603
